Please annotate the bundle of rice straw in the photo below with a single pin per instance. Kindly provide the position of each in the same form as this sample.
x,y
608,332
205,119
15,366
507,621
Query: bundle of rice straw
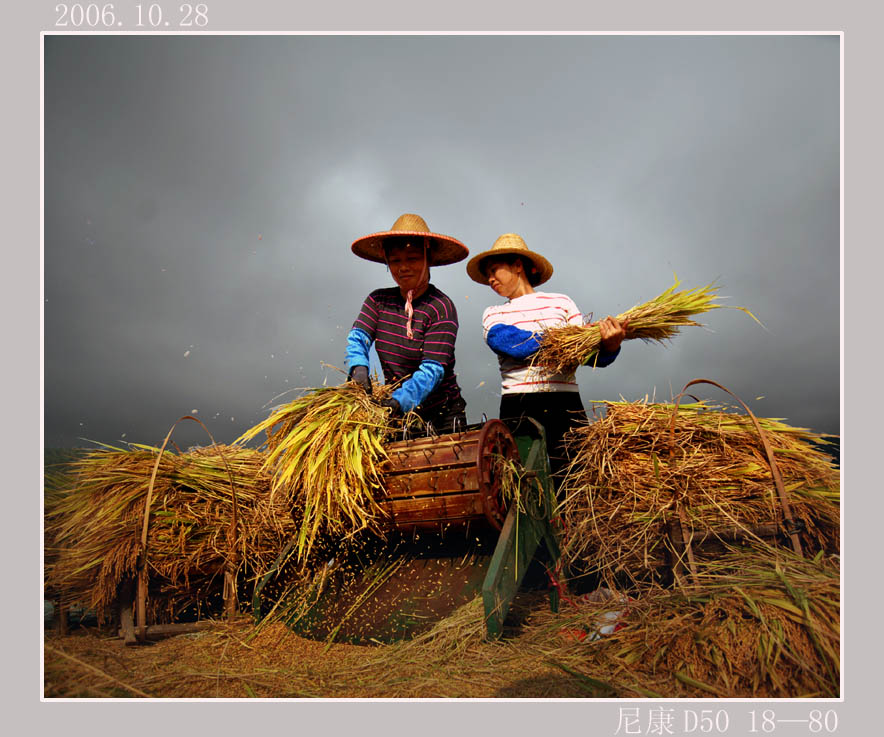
x,y
93,528
760,622
626,485
563,349
57,481
325,452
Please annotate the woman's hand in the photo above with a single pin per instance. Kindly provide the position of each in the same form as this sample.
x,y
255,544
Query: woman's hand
x,y
359,374
392,405
613,332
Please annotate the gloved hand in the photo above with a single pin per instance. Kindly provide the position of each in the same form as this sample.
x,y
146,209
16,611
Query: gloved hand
x,y
359,374
392,405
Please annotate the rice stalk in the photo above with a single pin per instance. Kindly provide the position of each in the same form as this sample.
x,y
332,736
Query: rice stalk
x,y
521,489
324,452
524,492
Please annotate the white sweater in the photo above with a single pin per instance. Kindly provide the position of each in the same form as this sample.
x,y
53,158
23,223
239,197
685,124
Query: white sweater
x,y
533,312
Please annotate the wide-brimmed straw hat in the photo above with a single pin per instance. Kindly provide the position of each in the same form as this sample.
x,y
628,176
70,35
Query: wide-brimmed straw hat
x,y
443,249
511,244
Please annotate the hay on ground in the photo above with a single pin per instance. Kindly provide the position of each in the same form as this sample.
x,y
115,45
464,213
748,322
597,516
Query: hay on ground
x,y
759,624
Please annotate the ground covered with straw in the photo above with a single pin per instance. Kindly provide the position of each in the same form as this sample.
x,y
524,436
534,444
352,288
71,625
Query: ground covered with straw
x,y
758,624
231,660
743,620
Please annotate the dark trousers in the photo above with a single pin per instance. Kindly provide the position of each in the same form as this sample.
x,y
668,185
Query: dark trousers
x,y
450,417
557,412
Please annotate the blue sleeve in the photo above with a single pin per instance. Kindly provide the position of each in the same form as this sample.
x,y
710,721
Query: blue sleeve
x,y
511,341
601,358
419,385
358,343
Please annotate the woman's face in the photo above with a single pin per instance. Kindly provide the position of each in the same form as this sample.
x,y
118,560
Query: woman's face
x,y
504,278
407,267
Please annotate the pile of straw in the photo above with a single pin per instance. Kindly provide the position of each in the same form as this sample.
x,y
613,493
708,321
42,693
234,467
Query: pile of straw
x,y
760,622
625,484
563,349
93,528
324,451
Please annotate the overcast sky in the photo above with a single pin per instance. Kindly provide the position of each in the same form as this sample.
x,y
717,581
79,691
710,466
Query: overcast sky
x,y
202,193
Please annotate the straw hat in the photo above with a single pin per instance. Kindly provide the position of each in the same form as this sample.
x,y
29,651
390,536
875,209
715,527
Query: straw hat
x,y
443,249
510,244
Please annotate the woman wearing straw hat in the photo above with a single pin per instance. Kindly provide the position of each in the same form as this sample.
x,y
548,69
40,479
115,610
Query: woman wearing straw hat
x,y
512,330
412,325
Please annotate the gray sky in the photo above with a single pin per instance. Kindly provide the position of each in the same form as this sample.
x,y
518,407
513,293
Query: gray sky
x,y
202,192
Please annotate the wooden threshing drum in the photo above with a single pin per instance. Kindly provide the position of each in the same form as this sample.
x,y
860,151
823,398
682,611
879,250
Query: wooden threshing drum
x,y
433,483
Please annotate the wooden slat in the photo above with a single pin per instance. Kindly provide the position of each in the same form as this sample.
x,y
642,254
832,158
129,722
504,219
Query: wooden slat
x,y
127,626
61,623
158,631
429,509
127,620
419,459
437,442
734,534
407,525
455,480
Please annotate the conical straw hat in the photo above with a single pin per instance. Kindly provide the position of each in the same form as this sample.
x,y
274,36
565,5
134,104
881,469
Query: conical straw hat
x,y
443,249
510,244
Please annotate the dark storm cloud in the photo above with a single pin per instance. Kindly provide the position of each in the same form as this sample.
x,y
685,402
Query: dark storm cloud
x,y
201,194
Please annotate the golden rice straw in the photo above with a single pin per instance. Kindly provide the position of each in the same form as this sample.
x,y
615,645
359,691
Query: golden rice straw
x,y
93,527
97,672
325,452
563,349
761,622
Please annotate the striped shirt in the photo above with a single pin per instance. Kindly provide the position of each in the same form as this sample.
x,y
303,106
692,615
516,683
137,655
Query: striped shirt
x,y
533,312
434,324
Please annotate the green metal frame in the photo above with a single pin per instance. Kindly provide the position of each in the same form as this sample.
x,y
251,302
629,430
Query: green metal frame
x,y
519,539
